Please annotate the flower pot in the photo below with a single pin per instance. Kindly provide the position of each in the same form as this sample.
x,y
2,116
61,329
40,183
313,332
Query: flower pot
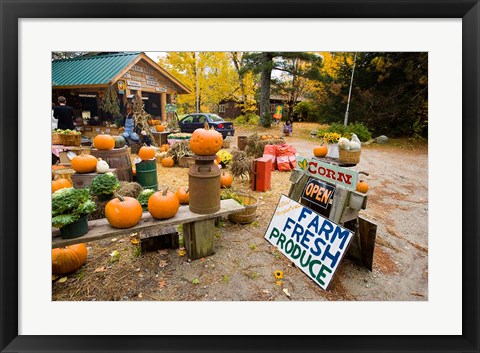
x,y
333,150
75,229
249,214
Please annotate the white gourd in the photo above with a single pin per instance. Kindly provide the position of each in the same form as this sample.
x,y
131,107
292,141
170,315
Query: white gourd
x,y
354,146
343,143
102,166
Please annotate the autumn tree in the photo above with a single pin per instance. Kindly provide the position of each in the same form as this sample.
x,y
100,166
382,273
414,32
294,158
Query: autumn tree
x,y
265,62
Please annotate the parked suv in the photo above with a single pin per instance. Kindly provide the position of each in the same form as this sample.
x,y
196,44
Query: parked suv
x,y
197,120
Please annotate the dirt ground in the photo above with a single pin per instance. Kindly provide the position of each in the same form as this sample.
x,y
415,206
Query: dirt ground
x,y
242,268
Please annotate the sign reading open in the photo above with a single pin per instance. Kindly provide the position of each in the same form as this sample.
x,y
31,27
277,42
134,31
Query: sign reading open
x,y
315,244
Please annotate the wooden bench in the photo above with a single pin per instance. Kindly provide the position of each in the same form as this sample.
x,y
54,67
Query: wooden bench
x,y
198,229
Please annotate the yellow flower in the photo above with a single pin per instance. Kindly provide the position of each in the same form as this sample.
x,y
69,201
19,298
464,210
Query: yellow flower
x,y
278,274
279,283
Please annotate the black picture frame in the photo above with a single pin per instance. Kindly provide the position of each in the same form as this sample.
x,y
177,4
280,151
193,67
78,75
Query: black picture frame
x,y
12,11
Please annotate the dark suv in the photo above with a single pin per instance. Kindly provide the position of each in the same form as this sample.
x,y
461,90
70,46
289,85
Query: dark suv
x,y
197,120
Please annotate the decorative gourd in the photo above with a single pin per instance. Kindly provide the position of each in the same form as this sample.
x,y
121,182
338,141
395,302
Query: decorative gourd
x,y
146,153
102,166
68,259
183,195
362,186
354,146
123,212
84,163
60,184
119,141
320,151
168,161
163,204
206,142
226,180
104,142
160,128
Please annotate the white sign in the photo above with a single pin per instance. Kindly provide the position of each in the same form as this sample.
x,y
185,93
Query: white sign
x,y
150,77
160,89
147,70
134,83
138,78
315,244
152,83
134,88
127,75
137,68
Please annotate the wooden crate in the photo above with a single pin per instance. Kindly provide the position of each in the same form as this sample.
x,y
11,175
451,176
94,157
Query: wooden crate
x,y
85,179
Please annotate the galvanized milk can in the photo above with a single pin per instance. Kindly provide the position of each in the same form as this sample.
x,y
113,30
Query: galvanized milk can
x,y
204,185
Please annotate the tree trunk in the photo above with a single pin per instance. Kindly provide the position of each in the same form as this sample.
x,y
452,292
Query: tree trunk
x,y
267,64
236,62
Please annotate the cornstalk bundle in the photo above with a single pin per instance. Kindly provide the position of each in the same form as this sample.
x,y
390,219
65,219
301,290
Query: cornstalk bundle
x,y
255,145
141,117
241,165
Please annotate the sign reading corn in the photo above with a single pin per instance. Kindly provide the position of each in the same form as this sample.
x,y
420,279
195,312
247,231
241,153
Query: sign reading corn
x,y
315,244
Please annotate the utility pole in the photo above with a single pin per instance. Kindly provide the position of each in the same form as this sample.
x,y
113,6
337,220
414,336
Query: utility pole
x,y
345,122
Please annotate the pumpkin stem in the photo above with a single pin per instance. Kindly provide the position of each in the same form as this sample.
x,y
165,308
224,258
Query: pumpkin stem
x,y
165,191
118,196
206,127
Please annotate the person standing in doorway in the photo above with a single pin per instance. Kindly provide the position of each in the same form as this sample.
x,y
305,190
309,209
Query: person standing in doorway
x,y
64,114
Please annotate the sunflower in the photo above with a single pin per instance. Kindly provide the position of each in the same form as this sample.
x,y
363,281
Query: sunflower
x,y
278,274
279,283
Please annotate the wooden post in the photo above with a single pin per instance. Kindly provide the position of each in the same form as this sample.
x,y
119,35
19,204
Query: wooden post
x,y
163,104
198,238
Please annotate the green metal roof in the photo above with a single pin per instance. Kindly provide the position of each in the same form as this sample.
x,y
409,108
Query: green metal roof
x,y
90,70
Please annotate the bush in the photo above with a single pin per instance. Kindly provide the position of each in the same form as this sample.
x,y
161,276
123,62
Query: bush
x,y
247,119
346,131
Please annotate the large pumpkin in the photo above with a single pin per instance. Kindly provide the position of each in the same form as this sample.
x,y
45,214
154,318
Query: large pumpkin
x,y
119,141
160,128
163,204
84,163
183,195
168,162
146,153
206,142
320,151
68,259
60,184
123,212
226,180
104,142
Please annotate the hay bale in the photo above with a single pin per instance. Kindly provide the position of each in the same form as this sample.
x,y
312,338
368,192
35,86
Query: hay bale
x,y
130,189
255,145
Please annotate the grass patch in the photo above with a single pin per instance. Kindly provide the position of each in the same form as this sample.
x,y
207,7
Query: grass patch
x,y
253,246
254,275
225,279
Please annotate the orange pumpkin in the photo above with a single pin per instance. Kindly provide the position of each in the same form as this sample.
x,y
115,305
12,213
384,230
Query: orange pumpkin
x,y
320,151
226,180
104,142
68,259
84,163
218,160
166,147
146,153
206,142
134,169
123,212
362,186
160,128
163,204
150,122
183,194
60,184
168,162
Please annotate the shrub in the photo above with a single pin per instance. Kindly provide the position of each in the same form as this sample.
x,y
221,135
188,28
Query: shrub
x,y
247,119
346,131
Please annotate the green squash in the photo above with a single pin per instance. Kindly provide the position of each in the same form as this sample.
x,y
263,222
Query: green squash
x,y
119,141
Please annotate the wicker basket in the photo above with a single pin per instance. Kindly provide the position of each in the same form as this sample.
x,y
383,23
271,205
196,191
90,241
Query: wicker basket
x,y
349,157
57,138
247,216
72,140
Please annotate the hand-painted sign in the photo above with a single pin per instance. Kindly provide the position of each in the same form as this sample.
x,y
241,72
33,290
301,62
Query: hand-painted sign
x,y
329,172
150,77
134,83
315,244
152,83
160,89
318,192
278,112
121,86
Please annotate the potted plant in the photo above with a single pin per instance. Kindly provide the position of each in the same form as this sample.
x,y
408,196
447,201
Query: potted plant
x,y
331,139
70,209
104,185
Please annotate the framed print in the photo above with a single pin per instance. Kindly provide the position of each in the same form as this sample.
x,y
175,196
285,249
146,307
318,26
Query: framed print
x,y
445,319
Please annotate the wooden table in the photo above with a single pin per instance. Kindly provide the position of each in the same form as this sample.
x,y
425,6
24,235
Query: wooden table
x,y
198,229
160,137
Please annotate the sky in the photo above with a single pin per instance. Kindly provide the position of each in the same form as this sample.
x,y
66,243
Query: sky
x,y
155,54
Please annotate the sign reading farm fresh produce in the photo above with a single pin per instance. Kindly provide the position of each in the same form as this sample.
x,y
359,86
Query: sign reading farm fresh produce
x,y
329,172
318,192
315,244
